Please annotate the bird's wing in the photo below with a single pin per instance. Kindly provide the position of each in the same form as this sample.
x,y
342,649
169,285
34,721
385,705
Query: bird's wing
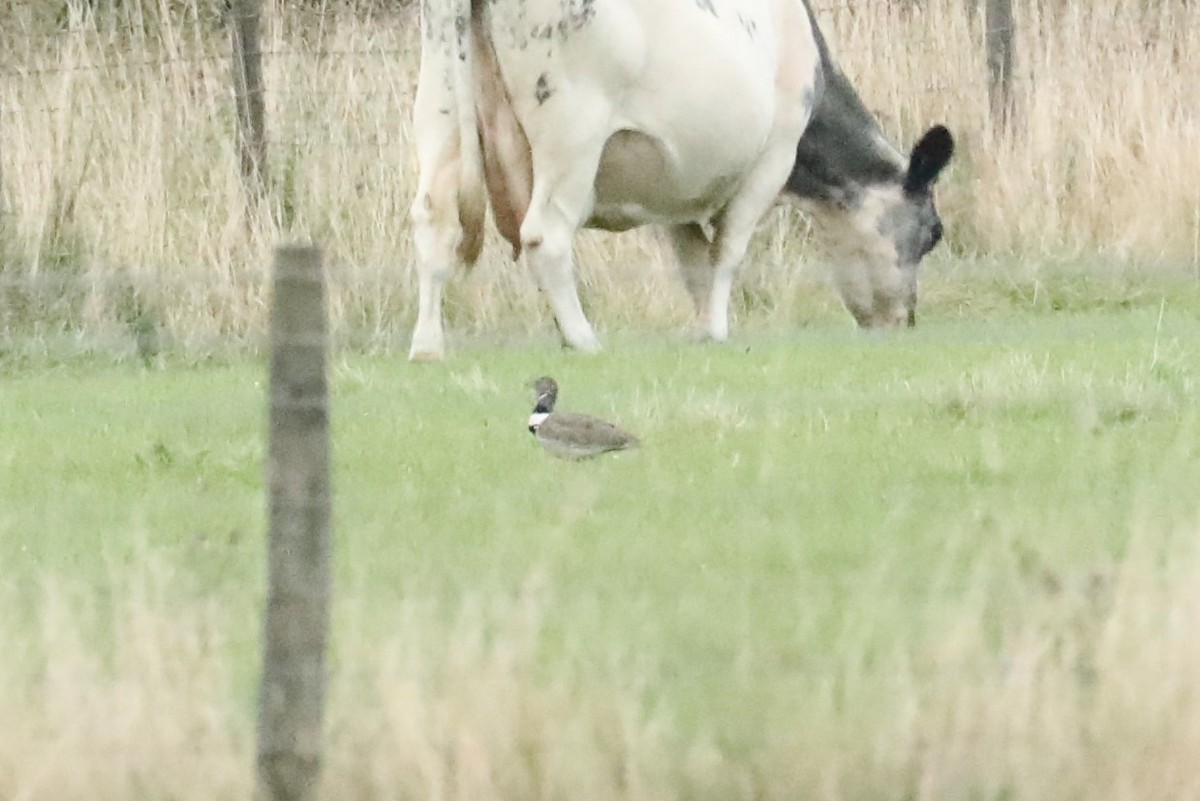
x,y
582,429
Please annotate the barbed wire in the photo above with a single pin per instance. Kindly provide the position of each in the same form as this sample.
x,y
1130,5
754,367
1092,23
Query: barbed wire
x,y
168,29
204,58
960,88
292,104
195,31
910,48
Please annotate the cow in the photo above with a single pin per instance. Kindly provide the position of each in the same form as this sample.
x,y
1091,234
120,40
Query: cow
x,y
693,115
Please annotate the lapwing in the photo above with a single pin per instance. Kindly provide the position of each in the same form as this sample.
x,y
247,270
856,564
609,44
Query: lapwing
x,y
570,435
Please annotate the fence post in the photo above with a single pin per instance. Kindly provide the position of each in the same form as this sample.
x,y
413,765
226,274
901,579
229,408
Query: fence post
x,y
999,36
248,90
292,693
3,196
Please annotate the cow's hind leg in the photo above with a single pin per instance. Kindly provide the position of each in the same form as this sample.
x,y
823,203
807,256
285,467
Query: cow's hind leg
x,y
694,252
437,235
450,205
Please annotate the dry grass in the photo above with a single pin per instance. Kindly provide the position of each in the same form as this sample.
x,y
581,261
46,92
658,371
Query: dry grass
x,y
123,200
1085,688
1100,164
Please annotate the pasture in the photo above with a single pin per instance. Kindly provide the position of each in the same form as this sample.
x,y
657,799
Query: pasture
x,y
955,563
958,562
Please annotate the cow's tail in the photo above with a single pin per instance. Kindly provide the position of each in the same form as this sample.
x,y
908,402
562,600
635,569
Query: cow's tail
x,y
472,194
507,162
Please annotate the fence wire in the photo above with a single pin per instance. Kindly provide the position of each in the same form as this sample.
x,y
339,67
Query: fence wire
x,y
189,45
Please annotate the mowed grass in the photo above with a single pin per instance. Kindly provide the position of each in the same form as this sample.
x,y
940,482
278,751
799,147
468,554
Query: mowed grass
x,y
842,566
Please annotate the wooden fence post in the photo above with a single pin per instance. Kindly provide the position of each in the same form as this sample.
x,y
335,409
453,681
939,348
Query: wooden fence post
x,y
3,196
999,37
292,694
248,90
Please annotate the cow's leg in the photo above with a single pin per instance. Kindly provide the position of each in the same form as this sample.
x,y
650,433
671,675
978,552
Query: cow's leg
x,y
694,252
437,233
547,244
736,225
559,206
450,205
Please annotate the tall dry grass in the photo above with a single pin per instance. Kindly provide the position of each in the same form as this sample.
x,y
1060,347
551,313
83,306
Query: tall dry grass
x,y
122,198
1082,687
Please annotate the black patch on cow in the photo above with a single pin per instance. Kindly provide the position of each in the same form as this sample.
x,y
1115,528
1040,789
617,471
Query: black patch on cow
x,y
748,25
427,19
461,25
706,5
580,13
576,14
542,90
840,150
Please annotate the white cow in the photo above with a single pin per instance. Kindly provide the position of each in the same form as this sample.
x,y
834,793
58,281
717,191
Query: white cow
x,y
689,114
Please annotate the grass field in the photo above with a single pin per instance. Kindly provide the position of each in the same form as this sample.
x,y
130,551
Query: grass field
x,y
953,564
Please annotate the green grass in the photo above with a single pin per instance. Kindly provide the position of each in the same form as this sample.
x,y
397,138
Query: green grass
x,y
806,509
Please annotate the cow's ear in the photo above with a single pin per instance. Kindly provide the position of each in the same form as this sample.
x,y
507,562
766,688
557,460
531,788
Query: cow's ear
x,y
929,156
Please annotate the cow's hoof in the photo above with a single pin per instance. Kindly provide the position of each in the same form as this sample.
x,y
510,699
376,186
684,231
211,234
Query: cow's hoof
x,y
426,355
702,336
590,345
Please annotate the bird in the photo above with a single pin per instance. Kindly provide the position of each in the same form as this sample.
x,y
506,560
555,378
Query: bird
x,y
569,435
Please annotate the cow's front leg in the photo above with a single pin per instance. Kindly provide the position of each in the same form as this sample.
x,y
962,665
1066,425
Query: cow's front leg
x,y
736,225
547,245
561,201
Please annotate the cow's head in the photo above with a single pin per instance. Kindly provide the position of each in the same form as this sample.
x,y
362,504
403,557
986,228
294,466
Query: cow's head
x,y
880,232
